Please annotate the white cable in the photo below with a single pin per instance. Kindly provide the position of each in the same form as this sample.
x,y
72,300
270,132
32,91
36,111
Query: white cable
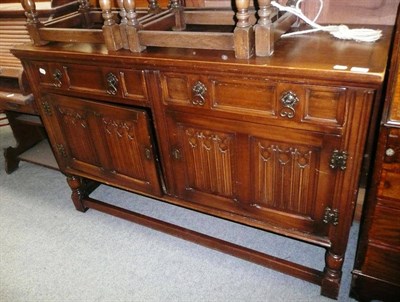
x,y
339,31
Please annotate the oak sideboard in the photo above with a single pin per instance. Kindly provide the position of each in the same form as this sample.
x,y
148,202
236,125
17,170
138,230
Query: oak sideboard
x,y
275,142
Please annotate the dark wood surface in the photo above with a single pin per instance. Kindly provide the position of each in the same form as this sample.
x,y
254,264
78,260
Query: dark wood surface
x,y
204,130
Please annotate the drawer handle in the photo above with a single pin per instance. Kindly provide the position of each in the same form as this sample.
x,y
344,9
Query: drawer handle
x,y
112,83
289,100
199,92
57,76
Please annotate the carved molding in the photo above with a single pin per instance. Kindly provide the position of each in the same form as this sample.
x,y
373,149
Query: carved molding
x,y
122,129
73,117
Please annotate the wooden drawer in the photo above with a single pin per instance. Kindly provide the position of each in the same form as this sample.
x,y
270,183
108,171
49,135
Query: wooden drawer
x,y
248,98
392,151
93,80
389,186
383,263
385,227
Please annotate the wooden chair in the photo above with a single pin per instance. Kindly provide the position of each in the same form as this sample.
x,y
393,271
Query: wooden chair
x,y
3,119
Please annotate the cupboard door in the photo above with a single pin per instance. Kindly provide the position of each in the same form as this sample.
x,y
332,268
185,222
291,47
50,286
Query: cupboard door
x,y
269,174
106,141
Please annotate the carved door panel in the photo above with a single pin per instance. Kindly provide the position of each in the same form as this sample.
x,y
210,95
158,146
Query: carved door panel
x,y
291,179
270,174
105,141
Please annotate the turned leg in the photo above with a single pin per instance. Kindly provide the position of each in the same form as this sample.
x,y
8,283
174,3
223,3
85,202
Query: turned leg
x,y
81,188
243,35
111,31
33,23
26,136
332,275
263,30
78,192
132,27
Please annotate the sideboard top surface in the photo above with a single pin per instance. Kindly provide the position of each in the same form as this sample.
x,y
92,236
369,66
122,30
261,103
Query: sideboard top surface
x,y
312,56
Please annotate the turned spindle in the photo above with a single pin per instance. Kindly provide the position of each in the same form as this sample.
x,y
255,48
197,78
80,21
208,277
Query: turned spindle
x,y
132,27
243,34
33,24
123,23
264,34
84,9
154,8
111,32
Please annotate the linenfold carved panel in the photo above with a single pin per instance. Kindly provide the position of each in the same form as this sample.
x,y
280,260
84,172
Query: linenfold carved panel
x,y
284,176
122,136
210,154
75,126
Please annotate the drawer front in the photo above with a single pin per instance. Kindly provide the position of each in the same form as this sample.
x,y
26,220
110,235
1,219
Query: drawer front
x,y
386,226
389,186
383,263
245,98
392,151
93,80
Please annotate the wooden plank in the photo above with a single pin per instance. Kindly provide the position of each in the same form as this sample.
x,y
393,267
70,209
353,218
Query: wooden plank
x,y
11,71
164,22
8,100
275,263
209,17
200,40
150,17
72,35
283,24
61,20
214,17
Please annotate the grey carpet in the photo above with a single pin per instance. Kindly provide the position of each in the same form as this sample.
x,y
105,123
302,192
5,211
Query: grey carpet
x,y
51,252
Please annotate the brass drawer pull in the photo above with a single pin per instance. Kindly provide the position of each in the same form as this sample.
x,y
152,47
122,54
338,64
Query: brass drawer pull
x,y
57,76
199,91
112,84
289,100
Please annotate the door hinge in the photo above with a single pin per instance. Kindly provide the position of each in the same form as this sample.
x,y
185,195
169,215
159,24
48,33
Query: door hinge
x,y
176,153
61,150
338,160
147,153
46,108
331,216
